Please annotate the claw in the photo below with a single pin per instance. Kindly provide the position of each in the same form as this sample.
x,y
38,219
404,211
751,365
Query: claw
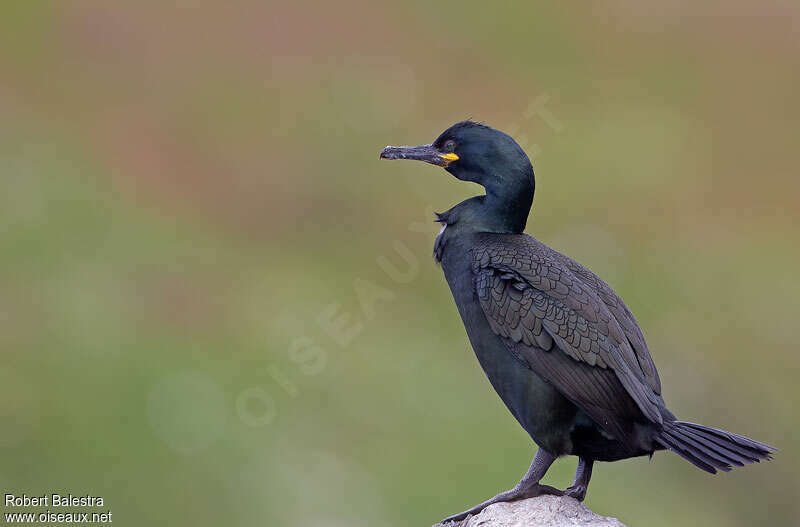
x,y
454,521
576,491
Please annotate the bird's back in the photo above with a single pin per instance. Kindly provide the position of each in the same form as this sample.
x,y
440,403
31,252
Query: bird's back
x,y
613,302
520,299
562,278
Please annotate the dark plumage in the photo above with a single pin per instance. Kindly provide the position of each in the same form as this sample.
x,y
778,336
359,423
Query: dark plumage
x,y
559,346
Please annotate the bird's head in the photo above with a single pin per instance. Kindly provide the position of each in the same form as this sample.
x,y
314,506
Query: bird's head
x,y
475,152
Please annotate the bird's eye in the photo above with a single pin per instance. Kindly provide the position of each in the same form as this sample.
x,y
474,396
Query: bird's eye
x,y
450,146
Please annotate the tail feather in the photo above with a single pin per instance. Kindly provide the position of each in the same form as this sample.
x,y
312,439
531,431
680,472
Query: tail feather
x,y
731,437
709,448
746,454
721,451
670,443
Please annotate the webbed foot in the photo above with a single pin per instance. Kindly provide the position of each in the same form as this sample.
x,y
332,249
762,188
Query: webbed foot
x,y
517,493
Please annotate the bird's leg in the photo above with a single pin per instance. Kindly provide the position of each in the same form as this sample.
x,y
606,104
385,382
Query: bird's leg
x,y
582,476
528,486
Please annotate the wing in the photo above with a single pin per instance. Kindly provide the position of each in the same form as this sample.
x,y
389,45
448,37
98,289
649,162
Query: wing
x,y
621,313
562,329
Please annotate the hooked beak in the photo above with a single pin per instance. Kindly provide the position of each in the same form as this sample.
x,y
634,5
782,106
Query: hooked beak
x,y
426,153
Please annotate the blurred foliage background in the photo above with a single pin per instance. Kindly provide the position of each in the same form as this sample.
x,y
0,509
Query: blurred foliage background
x,y
217,307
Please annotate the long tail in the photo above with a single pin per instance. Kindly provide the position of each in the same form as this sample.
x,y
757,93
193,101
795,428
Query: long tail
x,y
710,448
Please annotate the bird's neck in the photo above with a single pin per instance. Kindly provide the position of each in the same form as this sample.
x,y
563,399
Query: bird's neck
x,y
495,212
507,209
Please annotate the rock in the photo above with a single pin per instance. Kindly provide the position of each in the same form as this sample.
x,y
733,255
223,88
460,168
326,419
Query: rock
x,y
543,511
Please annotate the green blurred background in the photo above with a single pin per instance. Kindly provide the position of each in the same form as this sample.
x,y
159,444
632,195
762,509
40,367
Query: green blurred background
x,y
217,307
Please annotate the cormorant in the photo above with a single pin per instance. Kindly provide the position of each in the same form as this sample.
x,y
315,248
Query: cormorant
x,y
560,347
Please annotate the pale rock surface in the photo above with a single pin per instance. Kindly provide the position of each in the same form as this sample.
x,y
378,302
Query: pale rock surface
x,y
543,511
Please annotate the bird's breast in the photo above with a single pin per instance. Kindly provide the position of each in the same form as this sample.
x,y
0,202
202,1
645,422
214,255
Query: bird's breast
x,y
539,408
